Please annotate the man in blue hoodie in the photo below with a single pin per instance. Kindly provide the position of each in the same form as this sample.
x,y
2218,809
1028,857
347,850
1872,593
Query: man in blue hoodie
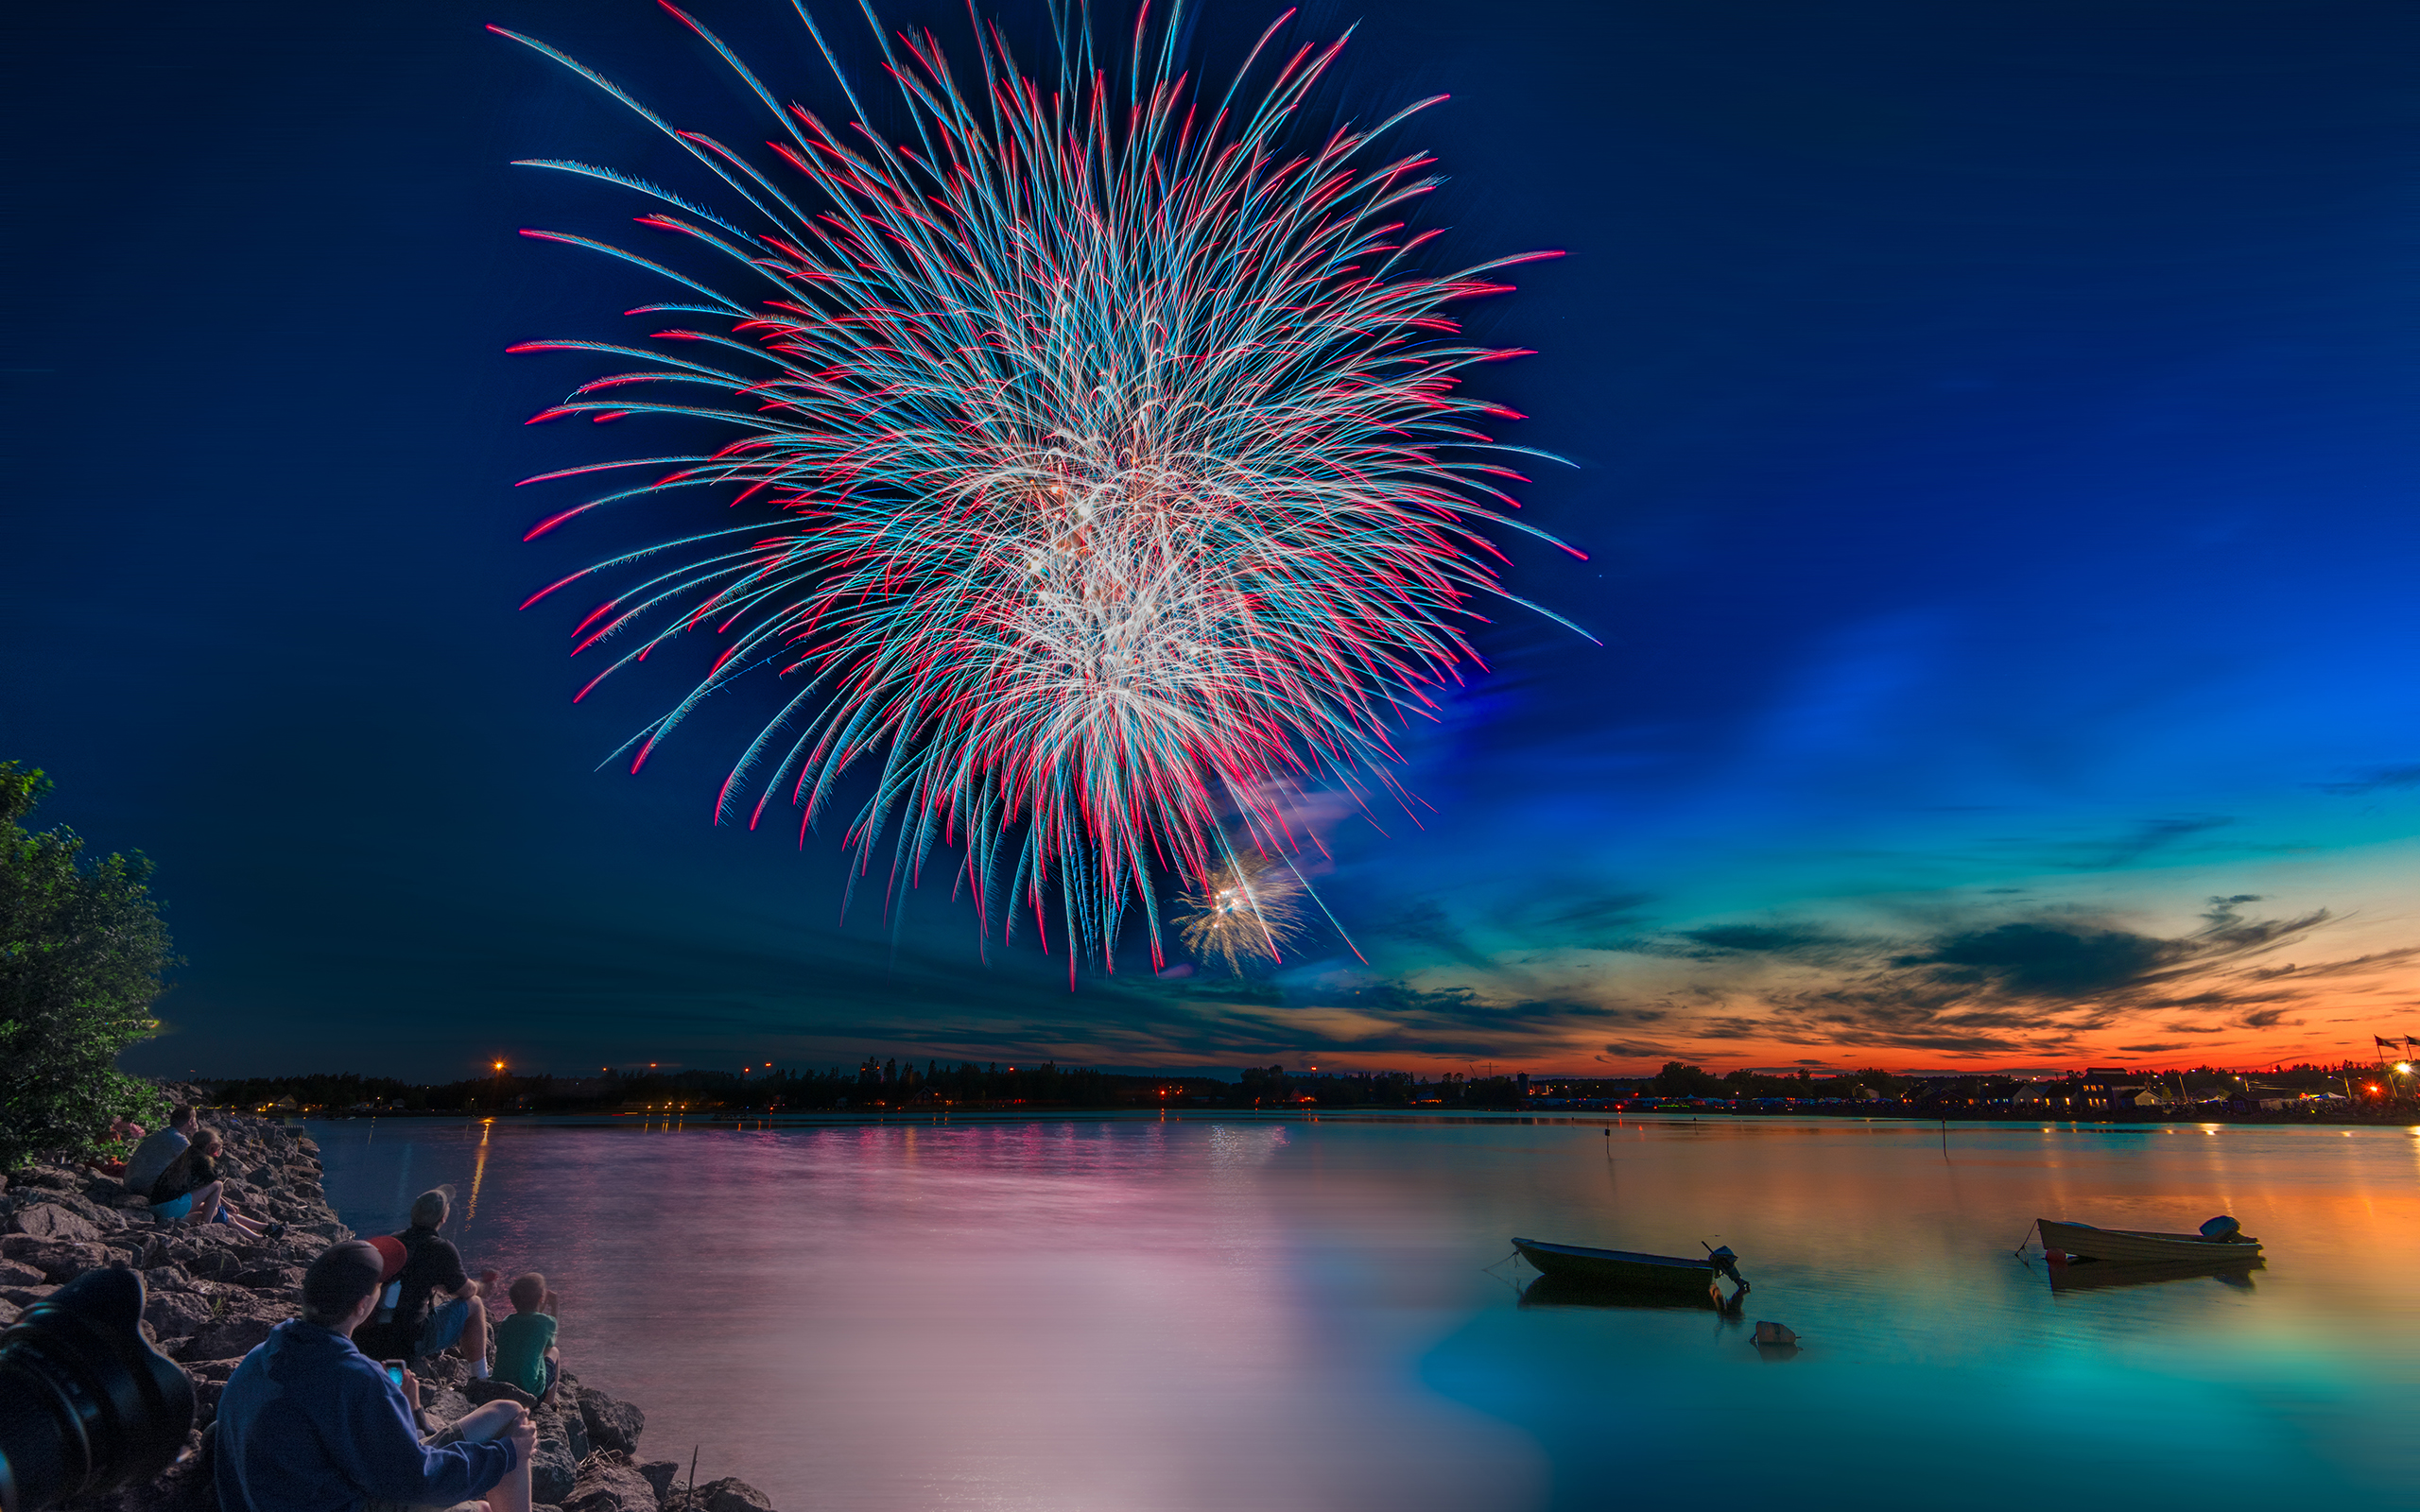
x,y
309,1423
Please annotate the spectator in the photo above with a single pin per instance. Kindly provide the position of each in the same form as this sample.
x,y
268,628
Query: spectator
x,y
525,1343
120,1141
152,1155
190,1190
425,1322
309,1423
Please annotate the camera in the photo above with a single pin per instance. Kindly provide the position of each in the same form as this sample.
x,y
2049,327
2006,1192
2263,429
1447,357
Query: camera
x,y
86,1404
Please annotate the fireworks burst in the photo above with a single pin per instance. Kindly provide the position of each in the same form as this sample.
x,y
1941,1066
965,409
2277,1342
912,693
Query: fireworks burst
x,y
1103,473
1244,913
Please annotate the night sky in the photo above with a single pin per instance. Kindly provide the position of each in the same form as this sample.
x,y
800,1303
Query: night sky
x,y
1994,441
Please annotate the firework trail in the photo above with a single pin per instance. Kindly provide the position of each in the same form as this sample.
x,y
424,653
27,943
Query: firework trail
x,y
1101,474
1244,913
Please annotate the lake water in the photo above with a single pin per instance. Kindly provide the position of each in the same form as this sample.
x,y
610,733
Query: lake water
x,y
1214,1314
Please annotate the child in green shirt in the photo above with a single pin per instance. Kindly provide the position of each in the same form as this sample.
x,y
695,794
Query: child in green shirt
x,y
525,1343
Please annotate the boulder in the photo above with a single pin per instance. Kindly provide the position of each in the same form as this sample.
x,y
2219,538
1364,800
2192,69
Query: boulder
x,y
612,1425
444,1404
239,1329
729,1494
271,1277
58,1259
51,1220
17,1273
608,1481
176,1314
553,1474
567,1426
482,1392
659,1475
216,1264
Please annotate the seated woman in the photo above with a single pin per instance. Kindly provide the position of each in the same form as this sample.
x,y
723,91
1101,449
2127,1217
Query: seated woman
x,y
190,1190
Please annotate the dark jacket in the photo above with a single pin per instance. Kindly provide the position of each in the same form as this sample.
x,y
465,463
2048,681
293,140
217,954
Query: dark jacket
x,y
309,1423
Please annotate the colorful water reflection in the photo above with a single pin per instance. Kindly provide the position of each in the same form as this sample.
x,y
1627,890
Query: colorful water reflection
x,y
1220,1312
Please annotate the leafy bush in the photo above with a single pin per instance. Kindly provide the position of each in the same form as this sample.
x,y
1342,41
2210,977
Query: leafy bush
x,y
81,950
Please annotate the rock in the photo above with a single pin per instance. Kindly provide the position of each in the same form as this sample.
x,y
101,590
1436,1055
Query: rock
x,y
612,1425
567,1428
553,1474
17,1273
444,1404
482,1392
176,1314
52,1220
608,1481
24,1296
58,1259
729,1494
271,1277
242,1326
216,1264
659,1473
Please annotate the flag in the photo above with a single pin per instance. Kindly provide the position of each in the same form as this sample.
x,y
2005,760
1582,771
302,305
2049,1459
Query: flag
x,y
2383,1045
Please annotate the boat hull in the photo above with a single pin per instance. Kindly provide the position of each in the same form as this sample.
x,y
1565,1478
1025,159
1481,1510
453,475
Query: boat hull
x,y
1618,1267
2144,1247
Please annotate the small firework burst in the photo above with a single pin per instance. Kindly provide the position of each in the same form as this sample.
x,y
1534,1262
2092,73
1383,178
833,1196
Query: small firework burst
x,y
1245,912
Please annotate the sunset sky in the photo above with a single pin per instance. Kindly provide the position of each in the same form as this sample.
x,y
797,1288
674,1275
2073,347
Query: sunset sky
x,y
1994,440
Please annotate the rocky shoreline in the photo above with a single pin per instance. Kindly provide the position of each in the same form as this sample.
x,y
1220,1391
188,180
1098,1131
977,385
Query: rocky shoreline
x,y
211,1293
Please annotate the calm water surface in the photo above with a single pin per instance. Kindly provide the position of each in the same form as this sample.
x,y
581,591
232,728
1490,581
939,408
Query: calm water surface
x,y
1216,1315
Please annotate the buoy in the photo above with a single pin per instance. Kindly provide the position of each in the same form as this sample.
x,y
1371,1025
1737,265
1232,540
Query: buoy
x,y
1775,1333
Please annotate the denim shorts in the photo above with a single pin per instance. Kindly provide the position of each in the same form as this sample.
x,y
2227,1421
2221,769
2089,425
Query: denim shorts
x,y
170,1210
445,1326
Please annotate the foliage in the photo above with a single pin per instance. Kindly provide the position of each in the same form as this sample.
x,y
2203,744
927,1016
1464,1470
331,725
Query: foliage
x,y
81,950
1678,1080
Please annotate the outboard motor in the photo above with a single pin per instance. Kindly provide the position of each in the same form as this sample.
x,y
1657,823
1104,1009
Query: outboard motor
x,y
1726,1264
2221,1230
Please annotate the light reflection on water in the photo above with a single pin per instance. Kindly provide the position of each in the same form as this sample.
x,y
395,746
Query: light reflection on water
x,y
1220,1314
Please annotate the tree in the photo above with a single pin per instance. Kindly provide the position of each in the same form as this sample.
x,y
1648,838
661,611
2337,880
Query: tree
x,y
81,950
1679,1080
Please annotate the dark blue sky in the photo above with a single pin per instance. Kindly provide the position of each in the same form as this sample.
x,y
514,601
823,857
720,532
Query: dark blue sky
x,y
1996,454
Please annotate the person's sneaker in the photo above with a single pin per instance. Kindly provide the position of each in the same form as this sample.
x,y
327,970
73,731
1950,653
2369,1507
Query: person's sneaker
x,y
273,1231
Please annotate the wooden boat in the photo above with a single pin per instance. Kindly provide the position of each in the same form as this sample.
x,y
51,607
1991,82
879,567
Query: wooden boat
x,y
2142,1245
1622,1267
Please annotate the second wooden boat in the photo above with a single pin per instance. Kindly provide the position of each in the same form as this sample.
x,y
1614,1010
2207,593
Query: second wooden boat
x,y
2143,1246
1622,1267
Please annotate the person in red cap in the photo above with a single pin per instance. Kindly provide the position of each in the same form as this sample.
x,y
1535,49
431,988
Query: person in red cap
x,y
375,1336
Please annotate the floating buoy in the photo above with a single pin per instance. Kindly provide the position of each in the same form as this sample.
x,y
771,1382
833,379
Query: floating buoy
x,y
1775,1333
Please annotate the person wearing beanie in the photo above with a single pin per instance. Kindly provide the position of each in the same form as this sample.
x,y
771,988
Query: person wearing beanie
x,y
309,1423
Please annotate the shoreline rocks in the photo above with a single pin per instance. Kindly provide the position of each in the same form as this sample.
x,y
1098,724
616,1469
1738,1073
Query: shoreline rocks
x,y
211,1293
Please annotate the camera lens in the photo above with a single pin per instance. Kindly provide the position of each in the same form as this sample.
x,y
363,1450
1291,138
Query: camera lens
x,y
86,1404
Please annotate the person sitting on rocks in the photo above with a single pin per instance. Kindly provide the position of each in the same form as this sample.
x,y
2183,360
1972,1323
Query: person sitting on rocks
x,y
122,1138
525,1343
152,1155
425,1323
190,1190
309,1423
